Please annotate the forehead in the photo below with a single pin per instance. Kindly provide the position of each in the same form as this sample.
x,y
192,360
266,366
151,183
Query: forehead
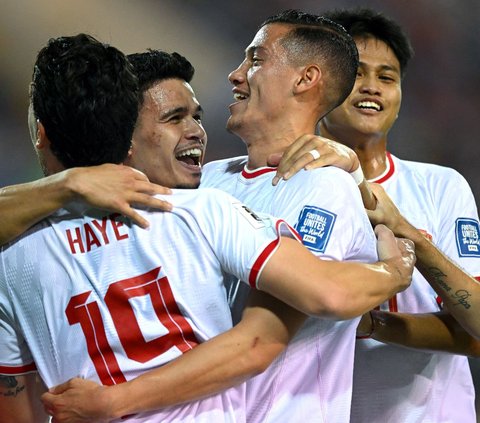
x,y
268,36
375,52
170,92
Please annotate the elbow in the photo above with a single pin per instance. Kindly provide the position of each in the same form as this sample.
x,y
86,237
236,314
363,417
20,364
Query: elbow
x,y
261,355
335,306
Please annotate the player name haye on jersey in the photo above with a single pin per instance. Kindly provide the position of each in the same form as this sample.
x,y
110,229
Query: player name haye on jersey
x,y
96,233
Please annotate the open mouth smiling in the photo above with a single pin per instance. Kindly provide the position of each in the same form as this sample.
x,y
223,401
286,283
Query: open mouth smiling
x,y
369,105
191,156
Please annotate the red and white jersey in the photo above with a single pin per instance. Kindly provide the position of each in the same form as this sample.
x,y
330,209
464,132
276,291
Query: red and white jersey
x,y
90,295
394,384
312,380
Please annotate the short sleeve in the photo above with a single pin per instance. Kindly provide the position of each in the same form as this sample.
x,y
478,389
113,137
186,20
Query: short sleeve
x,y
324,206
242,239
15,356
459,229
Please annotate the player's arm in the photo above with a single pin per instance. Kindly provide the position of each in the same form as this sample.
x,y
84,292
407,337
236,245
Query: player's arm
x,y
459,291
248,348
224,361
20,399
438,332
299,156
110,187
338,290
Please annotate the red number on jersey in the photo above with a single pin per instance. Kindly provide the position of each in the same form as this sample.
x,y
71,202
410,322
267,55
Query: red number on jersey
x,y
180,333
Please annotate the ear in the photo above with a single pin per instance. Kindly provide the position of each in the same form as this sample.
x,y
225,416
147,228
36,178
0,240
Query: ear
x,y
42,140
311,76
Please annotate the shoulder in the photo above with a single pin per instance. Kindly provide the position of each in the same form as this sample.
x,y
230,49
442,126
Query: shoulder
x,y
200,199
326,177
432,174
427,169
233,164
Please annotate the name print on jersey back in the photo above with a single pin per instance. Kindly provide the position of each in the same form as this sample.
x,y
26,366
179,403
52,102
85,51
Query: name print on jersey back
x,y
83,241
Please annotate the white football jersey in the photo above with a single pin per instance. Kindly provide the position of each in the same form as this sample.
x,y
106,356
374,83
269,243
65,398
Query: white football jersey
x,y
91,295
395,384
312,380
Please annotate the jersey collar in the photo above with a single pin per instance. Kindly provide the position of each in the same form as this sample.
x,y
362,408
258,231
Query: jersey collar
x,y
250,174
389,171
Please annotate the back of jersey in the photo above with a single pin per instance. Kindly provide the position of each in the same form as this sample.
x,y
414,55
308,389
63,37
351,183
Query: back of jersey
x,y
96,297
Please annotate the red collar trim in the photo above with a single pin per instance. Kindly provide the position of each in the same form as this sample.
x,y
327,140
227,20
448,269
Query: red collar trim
x,y
389,171
250,174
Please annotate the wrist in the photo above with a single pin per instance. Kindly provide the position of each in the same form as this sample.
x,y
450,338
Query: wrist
x,y
357,175
70,184
117,404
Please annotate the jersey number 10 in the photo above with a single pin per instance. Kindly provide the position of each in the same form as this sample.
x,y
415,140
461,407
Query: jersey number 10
x,y
180,333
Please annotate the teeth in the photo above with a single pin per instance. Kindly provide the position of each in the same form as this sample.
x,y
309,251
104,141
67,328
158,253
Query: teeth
x,y
369,105
195,152
238,97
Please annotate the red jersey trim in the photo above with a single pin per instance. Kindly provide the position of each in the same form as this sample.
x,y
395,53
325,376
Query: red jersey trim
x,y
268,251
388,173
249,174
18,370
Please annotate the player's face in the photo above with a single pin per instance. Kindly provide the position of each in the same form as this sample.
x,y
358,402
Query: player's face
x,y
169,140
374,103
262,82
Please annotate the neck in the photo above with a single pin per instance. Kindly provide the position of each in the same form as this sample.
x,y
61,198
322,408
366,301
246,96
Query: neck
x,y
371,149
273,139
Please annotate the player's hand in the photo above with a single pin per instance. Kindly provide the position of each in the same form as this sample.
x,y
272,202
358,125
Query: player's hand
x,y
397,253
75,401
297,156
387,213
117,188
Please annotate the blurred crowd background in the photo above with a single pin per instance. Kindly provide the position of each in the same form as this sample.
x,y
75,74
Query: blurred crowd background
x,y
440,117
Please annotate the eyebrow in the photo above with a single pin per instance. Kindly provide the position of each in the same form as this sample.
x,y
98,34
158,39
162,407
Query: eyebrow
x,y
253,49
381,67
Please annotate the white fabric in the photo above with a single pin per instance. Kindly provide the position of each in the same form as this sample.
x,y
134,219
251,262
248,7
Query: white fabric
x,y
394,384
141,297
312,380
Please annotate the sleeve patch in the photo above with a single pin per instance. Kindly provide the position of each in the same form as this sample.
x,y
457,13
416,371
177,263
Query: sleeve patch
x,y
315,227
468,237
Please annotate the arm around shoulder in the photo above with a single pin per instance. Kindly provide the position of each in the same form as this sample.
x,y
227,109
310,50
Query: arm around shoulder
x,y
220,363
337,290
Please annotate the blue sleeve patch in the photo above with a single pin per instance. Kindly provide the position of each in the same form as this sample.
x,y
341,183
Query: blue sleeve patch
x,y
315,227
468,239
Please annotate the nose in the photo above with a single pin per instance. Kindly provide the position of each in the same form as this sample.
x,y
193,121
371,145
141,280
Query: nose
x,y
195,130
237,76
369,85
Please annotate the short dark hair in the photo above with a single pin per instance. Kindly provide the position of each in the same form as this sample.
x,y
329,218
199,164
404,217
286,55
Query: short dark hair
x,y
367,23
155,65
317,37
86,96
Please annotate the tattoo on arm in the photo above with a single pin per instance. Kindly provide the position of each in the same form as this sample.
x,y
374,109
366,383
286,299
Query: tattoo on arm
x,y
9,386
459,296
